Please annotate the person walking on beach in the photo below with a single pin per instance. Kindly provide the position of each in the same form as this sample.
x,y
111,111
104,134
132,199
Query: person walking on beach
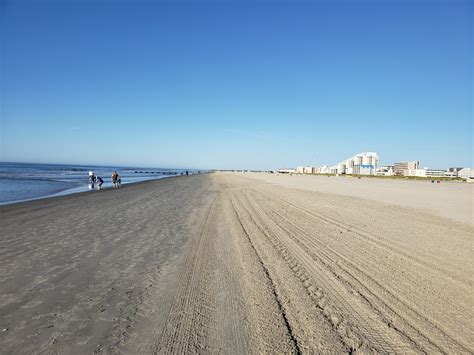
x,y
114,179
119,181
91,180
100,181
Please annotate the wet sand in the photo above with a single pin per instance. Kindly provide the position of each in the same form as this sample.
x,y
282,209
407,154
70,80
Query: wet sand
x,y
238,263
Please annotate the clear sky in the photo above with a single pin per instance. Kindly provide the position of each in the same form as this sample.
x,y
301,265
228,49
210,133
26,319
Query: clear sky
x,y
236,84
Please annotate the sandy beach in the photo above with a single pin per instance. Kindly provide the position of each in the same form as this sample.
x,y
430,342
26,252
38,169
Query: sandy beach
x,y
240,263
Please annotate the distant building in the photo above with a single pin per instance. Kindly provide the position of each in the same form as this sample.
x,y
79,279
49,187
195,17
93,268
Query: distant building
x,y
435,173
286,171
308,170
386,170
426,172
399,168
452,172
415,172
360,164
321,169
466,173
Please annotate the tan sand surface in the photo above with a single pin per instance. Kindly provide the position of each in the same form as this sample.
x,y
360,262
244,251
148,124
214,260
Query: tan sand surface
x,y
234,263
448,199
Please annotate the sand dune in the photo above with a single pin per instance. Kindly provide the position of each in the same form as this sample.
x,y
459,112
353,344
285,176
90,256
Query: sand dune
x,y
237,263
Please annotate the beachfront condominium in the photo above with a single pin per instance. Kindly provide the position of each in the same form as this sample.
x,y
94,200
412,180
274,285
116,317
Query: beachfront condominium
x,y
400,167
359,164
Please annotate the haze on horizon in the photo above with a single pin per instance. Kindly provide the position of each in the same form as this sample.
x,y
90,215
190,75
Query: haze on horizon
x,y
255,85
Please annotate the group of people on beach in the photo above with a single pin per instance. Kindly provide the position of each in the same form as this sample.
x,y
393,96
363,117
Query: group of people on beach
x,y
97,180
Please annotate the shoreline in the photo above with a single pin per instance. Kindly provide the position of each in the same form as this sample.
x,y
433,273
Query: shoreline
x,y
78,190
73,267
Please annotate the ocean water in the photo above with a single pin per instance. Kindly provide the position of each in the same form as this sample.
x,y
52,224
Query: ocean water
x,y
25,181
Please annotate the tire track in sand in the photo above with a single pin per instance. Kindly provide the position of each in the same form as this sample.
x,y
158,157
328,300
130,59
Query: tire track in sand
x,y
428,262
397,313
224,300
281,310
186,329
352,319
310,330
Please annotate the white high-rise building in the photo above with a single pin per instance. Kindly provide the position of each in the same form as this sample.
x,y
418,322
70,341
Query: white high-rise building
x,y
360,164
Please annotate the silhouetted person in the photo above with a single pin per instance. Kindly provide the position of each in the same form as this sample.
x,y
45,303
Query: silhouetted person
x,y
99,181
91,180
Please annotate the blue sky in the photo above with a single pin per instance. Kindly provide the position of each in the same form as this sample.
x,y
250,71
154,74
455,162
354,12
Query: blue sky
x,y
236,84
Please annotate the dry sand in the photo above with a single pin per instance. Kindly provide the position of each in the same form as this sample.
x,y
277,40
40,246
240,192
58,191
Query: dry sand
x,y
447,199
239,263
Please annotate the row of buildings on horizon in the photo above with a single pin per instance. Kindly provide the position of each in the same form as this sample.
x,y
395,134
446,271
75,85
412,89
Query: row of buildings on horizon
x,y
368,164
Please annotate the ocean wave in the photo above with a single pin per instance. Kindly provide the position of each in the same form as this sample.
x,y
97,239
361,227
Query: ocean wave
x,y
36,179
